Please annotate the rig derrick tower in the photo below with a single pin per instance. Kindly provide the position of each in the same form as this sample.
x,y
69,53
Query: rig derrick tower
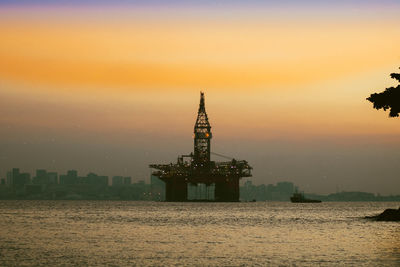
x,y
199,169
202,136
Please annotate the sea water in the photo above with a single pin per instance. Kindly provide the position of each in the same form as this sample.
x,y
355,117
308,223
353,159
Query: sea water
x,y
114,233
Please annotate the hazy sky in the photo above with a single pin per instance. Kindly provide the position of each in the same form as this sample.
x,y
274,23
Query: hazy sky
x,y
112,86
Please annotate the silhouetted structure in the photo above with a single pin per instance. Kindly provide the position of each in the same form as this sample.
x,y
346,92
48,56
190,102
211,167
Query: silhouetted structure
x,y
70,178
17,179
157,188
117,180
99,189
44,177
94,179
127,180
279,192
197,168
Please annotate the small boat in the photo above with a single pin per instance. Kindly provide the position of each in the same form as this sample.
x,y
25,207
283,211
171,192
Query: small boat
x,y
299,198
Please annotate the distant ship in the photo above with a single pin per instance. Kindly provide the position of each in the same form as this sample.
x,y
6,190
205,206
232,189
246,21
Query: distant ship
x,y
299,198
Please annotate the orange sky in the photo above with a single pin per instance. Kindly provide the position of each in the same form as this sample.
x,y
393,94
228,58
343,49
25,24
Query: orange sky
x,y
117,75
142,54
303,73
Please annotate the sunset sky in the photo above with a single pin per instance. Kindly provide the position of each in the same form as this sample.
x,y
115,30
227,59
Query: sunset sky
x,y
112,86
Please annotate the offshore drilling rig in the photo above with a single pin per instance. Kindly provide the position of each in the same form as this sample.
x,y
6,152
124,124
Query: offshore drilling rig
x,y
197,168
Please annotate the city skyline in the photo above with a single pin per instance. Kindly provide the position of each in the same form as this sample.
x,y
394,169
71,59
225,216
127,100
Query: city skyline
x,y
49,185
111,87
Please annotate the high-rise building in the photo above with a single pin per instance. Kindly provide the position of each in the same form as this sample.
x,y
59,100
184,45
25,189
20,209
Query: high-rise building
x,y
95,179
117,180
18,179
127,180
14,175
9,178
70,178
41,177
52,178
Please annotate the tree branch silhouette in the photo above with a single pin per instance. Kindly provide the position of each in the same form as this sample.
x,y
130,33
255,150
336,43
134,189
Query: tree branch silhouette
x,y
388,99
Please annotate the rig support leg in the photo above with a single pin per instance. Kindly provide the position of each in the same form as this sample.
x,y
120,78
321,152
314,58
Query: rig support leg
x,y
176,190
228,190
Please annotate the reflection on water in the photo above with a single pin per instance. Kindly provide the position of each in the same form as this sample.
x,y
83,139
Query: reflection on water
x,y
224,234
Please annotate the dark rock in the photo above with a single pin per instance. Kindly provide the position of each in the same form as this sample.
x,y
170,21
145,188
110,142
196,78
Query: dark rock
x,y
391,215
